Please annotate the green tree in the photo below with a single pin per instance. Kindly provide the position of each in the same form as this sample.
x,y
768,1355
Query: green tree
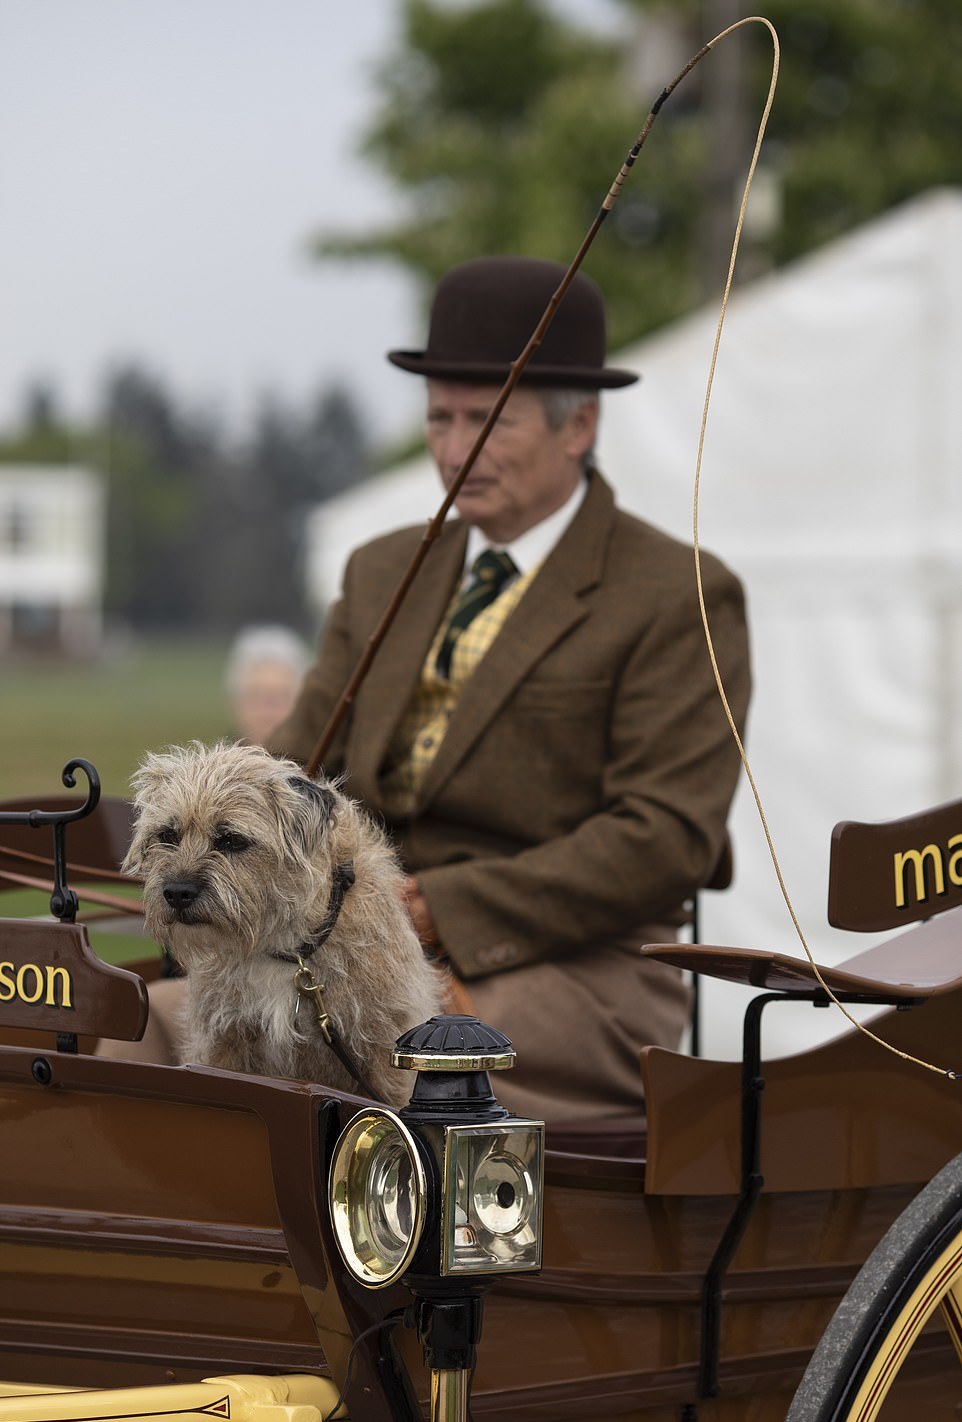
x,y
868,111
203,533
256,502
503,125
157,459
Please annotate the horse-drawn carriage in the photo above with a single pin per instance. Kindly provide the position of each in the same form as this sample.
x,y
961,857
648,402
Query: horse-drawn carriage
x,y
197,1241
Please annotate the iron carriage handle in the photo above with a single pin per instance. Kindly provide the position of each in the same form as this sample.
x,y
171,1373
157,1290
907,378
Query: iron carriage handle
x,y
63,900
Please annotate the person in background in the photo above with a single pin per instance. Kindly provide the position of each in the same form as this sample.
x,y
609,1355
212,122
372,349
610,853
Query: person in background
x,y
540,730
264,672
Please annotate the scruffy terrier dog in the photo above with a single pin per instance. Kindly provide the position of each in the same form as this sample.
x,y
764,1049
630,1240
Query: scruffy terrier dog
x,y
279,897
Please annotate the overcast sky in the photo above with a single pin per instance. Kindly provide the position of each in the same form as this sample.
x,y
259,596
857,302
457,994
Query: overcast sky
x,y
162,163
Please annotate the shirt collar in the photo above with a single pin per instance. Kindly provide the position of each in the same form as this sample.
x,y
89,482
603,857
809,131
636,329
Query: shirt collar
x,y
534,546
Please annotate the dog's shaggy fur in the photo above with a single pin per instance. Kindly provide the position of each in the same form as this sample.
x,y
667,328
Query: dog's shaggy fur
x,y
239,851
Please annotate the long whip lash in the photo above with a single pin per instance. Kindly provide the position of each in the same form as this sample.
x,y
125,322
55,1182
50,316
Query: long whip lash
x,y
905,1056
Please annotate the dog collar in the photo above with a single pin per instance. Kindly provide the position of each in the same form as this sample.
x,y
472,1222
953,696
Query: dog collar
x,y
344,877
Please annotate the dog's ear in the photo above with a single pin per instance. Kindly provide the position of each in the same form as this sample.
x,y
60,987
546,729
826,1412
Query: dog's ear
x,y
319,809
323,796
132,862
144,783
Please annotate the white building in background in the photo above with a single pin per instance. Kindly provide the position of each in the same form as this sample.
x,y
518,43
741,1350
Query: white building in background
x,y
52,557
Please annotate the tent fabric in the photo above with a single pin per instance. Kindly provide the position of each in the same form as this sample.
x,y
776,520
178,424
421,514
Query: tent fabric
x,y
831,484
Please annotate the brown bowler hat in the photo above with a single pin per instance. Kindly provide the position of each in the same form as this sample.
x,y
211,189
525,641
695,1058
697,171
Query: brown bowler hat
x,y
485,312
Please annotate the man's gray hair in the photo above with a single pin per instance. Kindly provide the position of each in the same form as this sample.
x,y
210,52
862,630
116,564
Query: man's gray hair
x,y
560,401
264,643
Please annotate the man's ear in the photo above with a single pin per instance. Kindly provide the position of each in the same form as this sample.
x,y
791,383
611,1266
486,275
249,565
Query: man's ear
x,y
581,429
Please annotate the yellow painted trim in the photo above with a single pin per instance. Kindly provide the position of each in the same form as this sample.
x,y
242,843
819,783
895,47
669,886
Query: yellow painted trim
x,y
296,1397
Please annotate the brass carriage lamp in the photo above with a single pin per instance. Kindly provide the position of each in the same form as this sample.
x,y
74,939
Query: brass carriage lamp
x,y
445,1194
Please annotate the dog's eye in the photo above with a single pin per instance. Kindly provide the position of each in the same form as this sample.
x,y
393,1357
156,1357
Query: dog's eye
x,y
168,836
227,842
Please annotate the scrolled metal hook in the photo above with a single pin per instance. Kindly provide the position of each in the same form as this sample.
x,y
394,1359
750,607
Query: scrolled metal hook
x,y
63,900
36,818
93,785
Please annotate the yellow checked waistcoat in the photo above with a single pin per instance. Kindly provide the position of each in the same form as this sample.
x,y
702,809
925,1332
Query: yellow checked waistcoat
x,y
425,722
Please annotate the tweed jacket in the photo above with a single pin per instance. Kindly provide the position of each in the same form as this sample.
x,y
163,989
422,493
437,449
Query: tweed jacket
x,y
584,781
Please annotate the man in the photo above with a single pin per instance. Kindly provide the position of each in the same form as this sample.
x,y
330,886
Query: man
x,y
556,770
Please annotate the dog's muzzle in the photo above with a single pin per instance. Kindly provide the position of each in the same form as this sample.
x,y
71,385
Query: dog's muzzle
x,y
181,895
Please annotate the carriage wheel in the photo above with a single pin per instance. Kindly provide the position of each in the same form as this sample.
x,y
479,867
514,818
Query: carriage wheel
x,y
915,1270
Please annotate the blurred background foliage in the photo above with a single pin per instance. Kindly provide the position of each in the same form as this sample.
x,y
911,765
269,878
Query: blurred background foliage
x,y
501,125
205,529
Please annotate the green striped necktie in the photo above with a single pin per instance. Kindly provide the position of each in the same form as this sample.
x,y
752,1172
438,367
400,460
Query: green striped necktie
x,y
489,573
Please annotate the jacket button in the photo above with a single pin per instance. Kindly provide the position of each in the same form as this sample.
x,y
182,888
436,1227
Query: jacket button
x,y
498,955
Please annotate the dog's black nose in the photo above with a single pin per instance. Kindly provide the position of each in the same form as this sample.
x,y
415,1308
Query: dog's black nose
x,y
181,893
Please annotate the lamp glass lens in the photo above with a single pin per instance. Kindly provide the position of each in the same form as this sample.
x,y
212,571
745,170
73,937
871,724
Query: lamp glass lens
x,y
377,1197
492,1198
502,1193
390,1204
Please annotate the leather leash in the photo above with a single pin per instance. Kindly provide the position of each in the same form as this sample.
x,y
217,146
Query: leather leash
x,y
307,985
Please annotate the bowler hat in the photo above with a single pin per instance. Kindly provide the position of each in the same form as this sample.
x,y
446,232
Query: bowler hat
x,y
485,312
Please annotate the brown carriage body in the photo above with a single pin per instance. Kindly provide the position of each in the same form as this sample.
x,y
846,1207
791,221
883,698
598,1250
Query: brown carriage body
x,y
167,1224
163,1225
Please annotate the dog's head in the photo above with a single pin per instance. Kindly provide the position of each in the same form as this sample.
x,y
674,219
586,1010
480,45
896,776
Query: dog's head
x,y
233,845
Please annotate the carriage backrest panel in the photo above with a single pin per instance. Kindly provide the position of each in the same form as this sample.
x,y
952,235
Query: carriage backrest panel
x,y
895,873
843,1115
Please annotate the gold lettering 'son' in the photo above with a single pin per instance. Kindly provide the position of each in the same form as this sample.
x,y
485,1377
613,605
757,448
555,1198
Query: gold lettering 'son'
x,y
917,859
36,982
35,993
61,976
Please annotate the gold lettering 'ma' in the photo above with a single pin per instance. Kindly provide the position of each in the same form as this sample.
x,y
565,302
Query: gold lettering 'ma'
x,y
917,859
55,976
955,859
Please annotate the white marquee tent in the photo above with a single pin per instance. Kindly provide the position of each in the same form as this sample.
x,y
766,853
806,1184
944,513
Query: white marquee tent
x,y
832,482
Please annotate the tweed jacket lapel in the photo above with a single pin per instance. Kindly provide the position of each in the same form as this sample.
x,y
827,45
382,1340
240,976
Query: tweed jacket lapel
x,y
394,672
551,607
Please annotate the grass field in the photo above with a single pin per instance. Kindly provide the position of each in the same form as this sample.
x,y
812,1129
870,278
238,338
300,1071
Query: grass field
x,y
109,712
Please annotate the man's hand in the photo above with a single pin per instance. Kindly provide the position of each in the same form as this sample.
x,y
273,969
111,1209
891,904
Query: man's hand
x,y
420,915
456,995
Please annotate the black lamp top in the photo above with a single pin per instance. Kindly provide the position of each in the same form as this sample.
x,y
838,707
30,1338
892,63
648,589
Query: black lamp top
x,y
453,1042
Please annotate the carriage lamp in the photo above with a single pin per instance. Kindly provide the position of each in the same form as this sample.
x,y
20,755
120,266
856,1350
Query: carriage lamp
x,y
445,1194
453,1159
